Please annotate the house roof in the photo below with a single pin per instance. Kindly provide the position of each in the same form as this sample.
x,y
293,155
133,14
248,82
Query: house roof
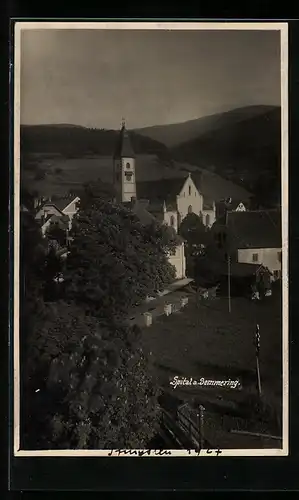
x,y
208,204
59,203
143,215
124,147
161,190
230,204
255,229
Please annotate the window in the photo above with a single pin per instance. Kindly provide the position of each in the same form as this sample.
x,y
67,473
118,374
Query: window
x,y
190,210
255,257
128,165
173,252
189,190
207,220
172,220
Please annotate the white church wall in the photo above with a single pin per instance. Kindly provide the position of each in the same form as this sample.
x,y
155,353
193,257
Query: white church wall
x,y
208,217
171,219
189,199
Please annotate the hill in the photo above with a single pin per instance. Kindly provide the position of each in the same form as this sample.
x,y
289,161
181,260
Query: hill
x,y
247,152
178,133
71,141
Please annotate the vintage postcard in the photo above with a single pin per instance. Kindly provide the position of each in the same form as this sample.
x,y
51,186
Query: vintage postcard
x,y
150,239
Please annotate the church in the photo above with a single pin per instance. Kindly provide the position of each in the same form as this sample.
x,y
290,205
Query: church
x,y
166,200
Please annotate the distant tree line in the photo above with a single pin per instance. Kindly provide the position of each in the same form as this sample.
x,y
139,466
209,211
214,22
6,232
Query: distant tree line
x,y
79,141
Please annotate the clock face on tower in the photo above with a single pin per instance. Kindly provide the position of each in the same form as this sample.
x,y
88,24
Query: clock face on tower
x,y
129,176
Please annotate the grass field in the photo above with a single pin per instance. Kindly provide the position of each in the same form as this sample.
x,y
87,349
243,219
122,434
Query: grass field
x,y
63,174
208,341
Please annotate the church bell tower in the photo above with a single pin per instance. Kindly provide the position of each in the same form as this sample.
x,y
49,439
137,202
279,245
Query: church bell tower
x,y
124,179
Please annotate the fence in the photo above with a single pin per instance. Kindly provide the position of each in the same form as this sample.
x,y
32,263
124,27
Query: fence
x,y
183,430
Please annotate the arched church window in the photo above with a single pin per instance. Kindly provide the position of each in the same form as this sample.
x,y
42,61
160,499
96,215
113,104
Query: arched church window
x,y
189,190
190,210
128,165
172,220
207,220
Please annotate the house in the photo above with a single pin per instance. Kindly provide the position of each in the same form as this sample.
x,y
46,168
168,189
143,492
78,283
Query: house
x,y
59,210
252,237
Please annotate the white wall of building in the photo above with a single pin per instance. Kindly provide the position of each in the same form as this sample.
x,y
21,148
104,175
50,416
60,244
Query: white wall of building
x,y
71,210
171,219
209,217
125,186
268,257
178,261
189,199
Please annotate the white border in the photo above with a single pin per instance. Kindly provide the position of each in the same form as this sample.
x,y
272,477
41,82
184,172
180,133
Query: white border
x,y
208,26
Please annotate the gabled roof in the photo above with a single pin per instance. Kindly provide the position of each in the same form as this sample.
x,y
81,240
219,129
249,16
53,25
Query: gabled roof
x,y
161,190
143,215
59,203
124,147
255,229
208,204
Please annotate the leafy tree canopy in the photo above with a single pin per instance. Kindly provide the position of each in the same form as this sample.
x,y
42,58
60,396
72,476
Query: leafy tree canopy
x,y
87,386
193,230
114,260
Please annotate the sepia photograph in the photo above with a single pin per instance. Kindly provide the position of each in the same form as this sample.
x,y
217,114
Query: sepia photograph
x,y
150,239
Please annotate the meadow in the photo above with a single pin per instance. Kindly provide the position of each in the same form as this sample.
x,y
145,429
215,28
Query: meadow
x,y
61,174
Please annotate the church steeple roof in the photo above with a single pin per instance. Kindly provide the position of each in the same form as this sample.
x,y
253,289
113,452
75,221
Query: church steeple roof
x,y
124,147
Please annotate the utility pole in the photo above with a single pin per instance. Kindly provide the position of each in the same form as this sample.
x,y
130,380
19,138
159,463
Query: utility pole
x,y
257,356
201,426
229,284
227,248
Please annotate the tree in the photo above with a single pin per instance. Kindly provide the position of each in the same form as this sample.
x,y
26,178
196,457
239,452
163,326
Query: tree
x,y
33,250
97,190
193,230
53,270
57,231
114,261
88,386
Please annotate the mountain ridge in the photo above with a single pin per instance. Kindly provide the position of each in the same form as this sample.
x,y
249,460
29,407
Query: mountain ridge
x,y
177,133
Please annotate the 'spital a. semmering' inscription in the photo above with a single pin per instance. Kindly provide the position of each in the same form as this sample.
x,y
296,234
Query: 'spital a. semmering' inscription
x,y
203,382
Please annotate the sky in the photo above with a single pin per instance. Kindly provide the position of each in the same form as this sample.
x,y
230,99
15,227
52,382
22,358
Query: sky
x,y
94,78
